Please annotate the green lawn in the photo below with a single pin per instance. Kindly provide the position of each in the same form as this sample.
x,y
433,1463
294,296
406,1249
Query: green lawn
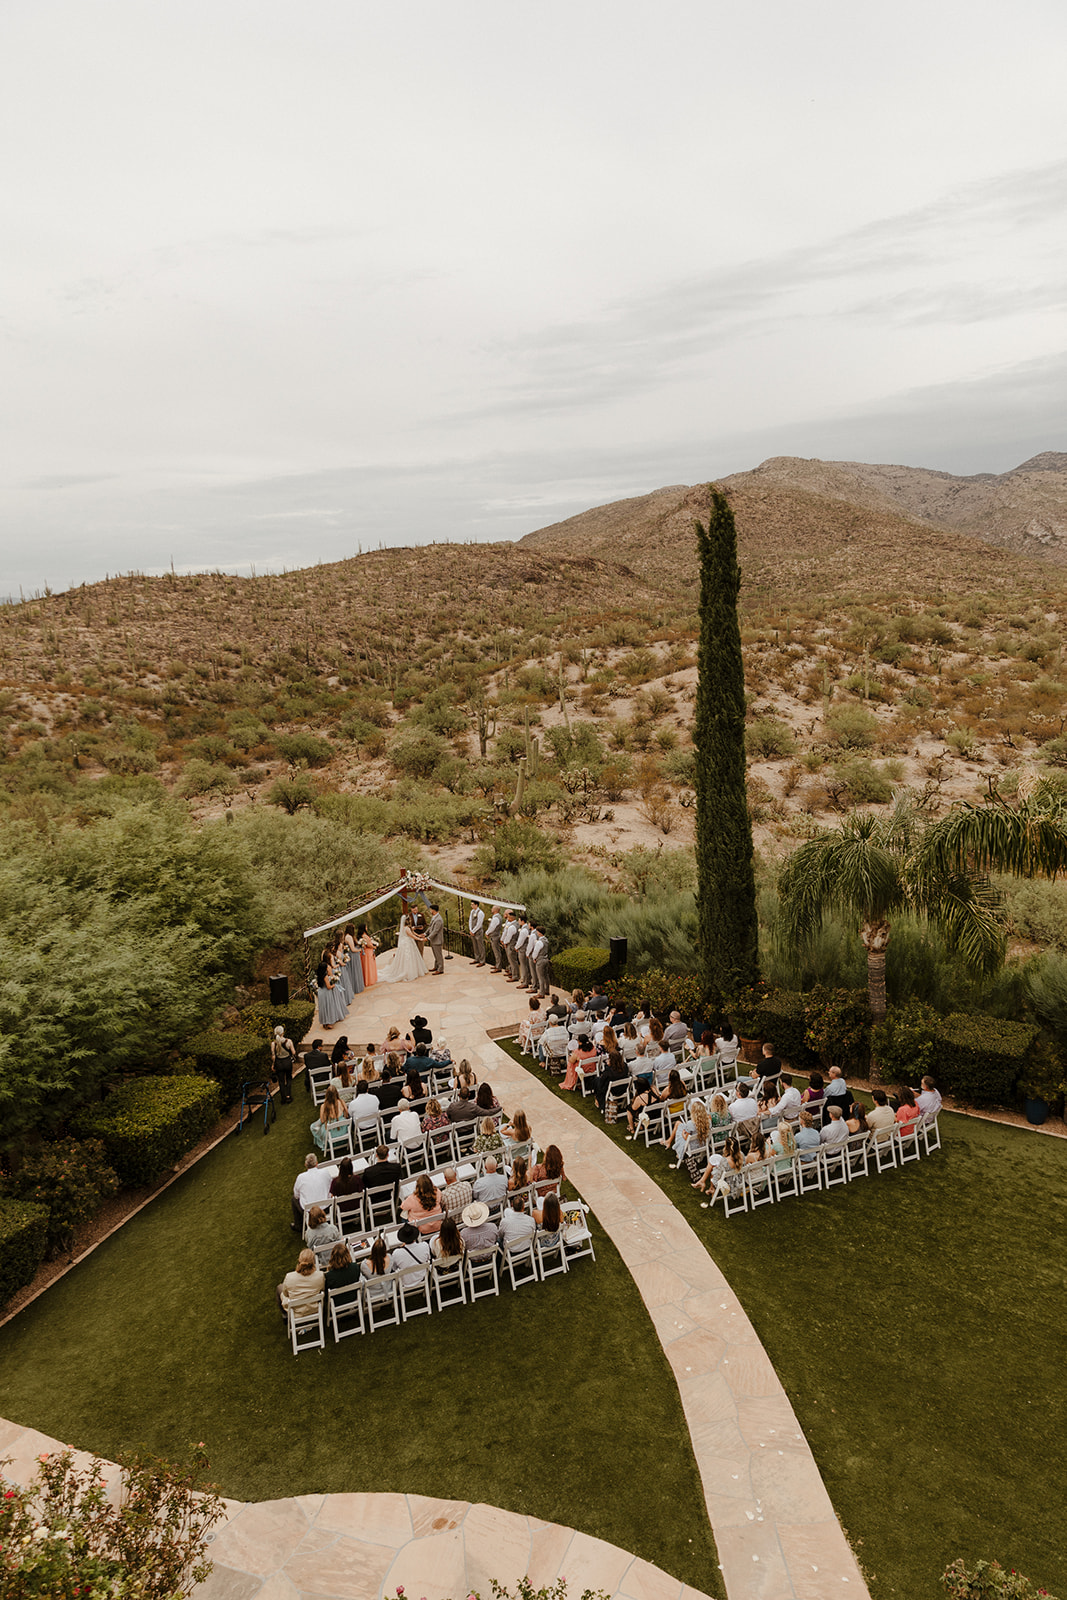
x,y
169,1334
916,1320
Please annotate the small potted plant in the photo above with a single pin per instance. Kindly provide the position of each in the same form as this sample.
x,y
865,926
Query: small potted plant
x,y
746,1014
1042,1083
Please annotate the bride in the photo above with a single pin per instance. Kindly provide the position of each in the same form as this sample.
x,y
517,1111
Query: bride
x,y
406,962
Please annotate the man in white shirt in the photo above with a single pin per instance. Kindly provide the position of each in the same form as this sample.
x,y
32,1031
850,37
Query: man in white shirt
x,y
475,925
363,1105
492,1185
555,1041
533,950
835,1130
492,933
788,1103
743,1107
928,1098
516,1223
312,1188
522,939
508,934
541,963
662,1066
404,1126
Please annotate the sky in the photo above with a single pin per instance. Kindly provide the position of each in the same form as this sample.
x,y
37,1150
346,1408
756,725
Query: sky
x,y
280,282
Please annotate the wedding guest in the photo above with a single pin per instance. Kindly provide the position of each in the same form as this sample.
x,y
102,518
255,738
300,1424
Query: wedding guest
x,y
447,1245
489,1137
422,1205
318,1231
549,1173
347,1180
301,1290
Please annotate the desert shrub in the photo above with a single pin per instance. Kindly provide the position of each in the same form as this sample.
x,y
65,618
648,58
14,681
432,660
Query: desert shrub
x,y
205,777
660,931
852,728
293,794
864,781
838,1026
680,767
1046,988
150,1123
651,872
664,991
515,846
614,777
23,1239
962,742
212,747
308,866
299,747
769,740
904,1044
638,665
580,967
576,746
561,902
418,754
71,1178
126,758
1035,909
982,1058
231,1059
433,817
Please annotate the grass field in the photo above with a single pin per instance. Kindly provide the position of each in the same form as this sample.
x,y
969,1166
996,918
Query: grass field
x,y
916,1320
169,1334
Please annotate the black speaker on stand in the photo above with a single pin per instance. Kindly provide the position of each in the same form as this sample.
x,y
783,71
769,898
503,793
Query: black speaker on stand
x,y
279,989
618,950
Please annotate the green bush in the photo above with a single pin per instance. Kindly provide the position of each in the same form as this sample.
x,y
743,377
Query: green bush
x,y
205,777
419,754
852,728
290,794
262,1018
231,1059
904,1044
665,992
71,1178
517,846
866,783
580,967
839,1027
768,740
150,1123
783,1021
23,1238
306,747
988,1580
981,1058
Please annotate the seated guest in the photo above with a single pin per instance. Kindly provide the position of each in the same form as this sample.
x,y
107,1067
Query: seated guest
x,y
492,1185
311,1188
788,1103
420,1031
719,1111
486,1100
695,1129
730,1156
520,1175
369,1068
837,1091
757,1149
390,1088
814,1096
727,1044
555,1041
907,1110
340,1051
770,1065
643,1064
462,1108
441,1052
612,1069
319,1232
466,1077
557,1008
856,1121
477,1232
489,1137
414,1088
676,1031
806,1138
516,1132
332,1117
422,1205
316,1058
743,1106
549,1220
582,1059
455,1195
549,1174
407,1124
411,1249
377,1263
301,1290
597,1001
927,1098
663,1065
342,1270
783,1145
769,1090
434,1117
382,1173
882,1118
516,1223
347,1181
447,1245
531,1027
628,1044
364,1105
835,1128
344,1083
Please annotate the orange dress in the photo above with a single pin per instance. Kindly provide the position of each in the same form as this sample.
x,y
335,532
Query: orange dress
x,y
370,965
578,1059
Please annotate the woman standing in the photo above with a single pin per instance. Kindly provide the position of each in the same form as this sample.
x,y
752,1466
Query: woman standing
x,y
353,960
367,946
330,996
283,1056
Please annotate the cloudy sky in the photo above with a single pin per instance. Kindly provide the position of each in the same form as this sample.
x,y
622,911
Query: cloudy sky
x,y
281,281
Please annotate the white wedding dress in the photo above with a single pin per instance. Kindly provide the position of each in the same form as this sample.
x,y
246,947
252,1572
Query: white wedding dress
x,y
406,962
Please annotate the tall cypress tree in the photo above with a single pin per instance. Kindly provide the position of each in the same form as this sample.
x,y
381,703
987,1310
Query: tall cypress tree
x,y
726,885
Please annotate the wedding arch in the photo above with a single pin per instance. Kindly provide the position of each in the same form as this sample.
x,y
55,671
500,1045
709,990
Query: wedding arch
x,y
408,883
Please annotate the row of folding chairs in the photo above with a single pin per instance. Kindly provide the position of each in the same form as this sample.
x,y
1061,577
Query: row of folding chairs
x,y
397,1297
438,1080
765,1182
357,1215
439,1146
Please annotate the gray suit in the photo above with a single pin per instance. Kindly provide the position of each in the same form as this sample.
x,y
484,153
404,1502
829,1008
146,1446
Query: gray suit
x,y
435,938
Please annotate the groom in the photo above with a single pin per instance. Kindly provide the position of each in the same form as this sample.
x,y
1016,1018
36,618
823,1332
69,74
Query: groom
x,y
435,938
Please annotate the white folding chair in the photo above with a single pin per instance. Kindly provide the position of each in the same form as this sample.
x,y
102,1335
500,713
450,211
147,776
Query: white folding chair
x,y
381,1298
348,1213
885,1149
381,1207
346,1311
575,1231
834,1161
367,1134
758,1184
338,1142
449,1285
483,1279
857,1155
415,1292
318,1081
732,1190
809,1173
413,1154
306,1329
520,1260
930,1131
785,1178
907,1137
550,1253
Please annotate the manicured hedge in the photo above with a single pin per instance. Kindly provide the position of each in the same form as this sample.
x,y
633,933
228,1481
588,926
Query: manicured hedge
x,y
980,1059
231,1059
149,1124
23,1236
295,1017
782,1020
580,967
665,992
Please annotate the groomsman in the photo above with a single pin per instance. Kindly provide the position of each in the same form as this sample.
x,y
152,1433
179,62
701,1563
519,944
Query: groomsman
x,y
475,925
492,933
541,962
522,940
508,934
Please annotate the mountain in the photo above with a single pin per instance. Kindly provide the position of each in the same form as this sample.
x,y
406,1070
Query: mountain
x,y
1023,510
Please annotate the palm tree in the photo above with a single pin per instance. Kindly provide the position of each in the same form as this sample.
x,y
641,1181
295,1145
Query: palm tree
x,y
877,867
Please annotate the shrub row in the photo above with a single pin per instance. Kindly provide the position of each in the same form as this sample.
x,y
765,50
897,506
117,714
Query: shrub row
x,y
664,991
149,1124
71,1178
580,967
23,1236
295,1017
231,1059
981,1059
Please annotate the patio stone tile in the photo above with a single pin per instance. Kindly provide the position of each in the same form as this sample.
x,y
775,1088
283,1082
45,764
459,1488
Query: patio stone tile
x,y
435,1567
379,1519
348,1570
549,1549
753,1564
695,1353
434,1516
498,1546
223,1583
657,1283
643,1581
262,1538
816,1574
594,1564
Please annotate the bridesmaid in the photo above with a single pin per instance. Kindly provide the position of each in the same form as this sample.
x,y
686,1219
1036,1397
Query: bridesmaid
x,y
367,946
331,999
354,961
